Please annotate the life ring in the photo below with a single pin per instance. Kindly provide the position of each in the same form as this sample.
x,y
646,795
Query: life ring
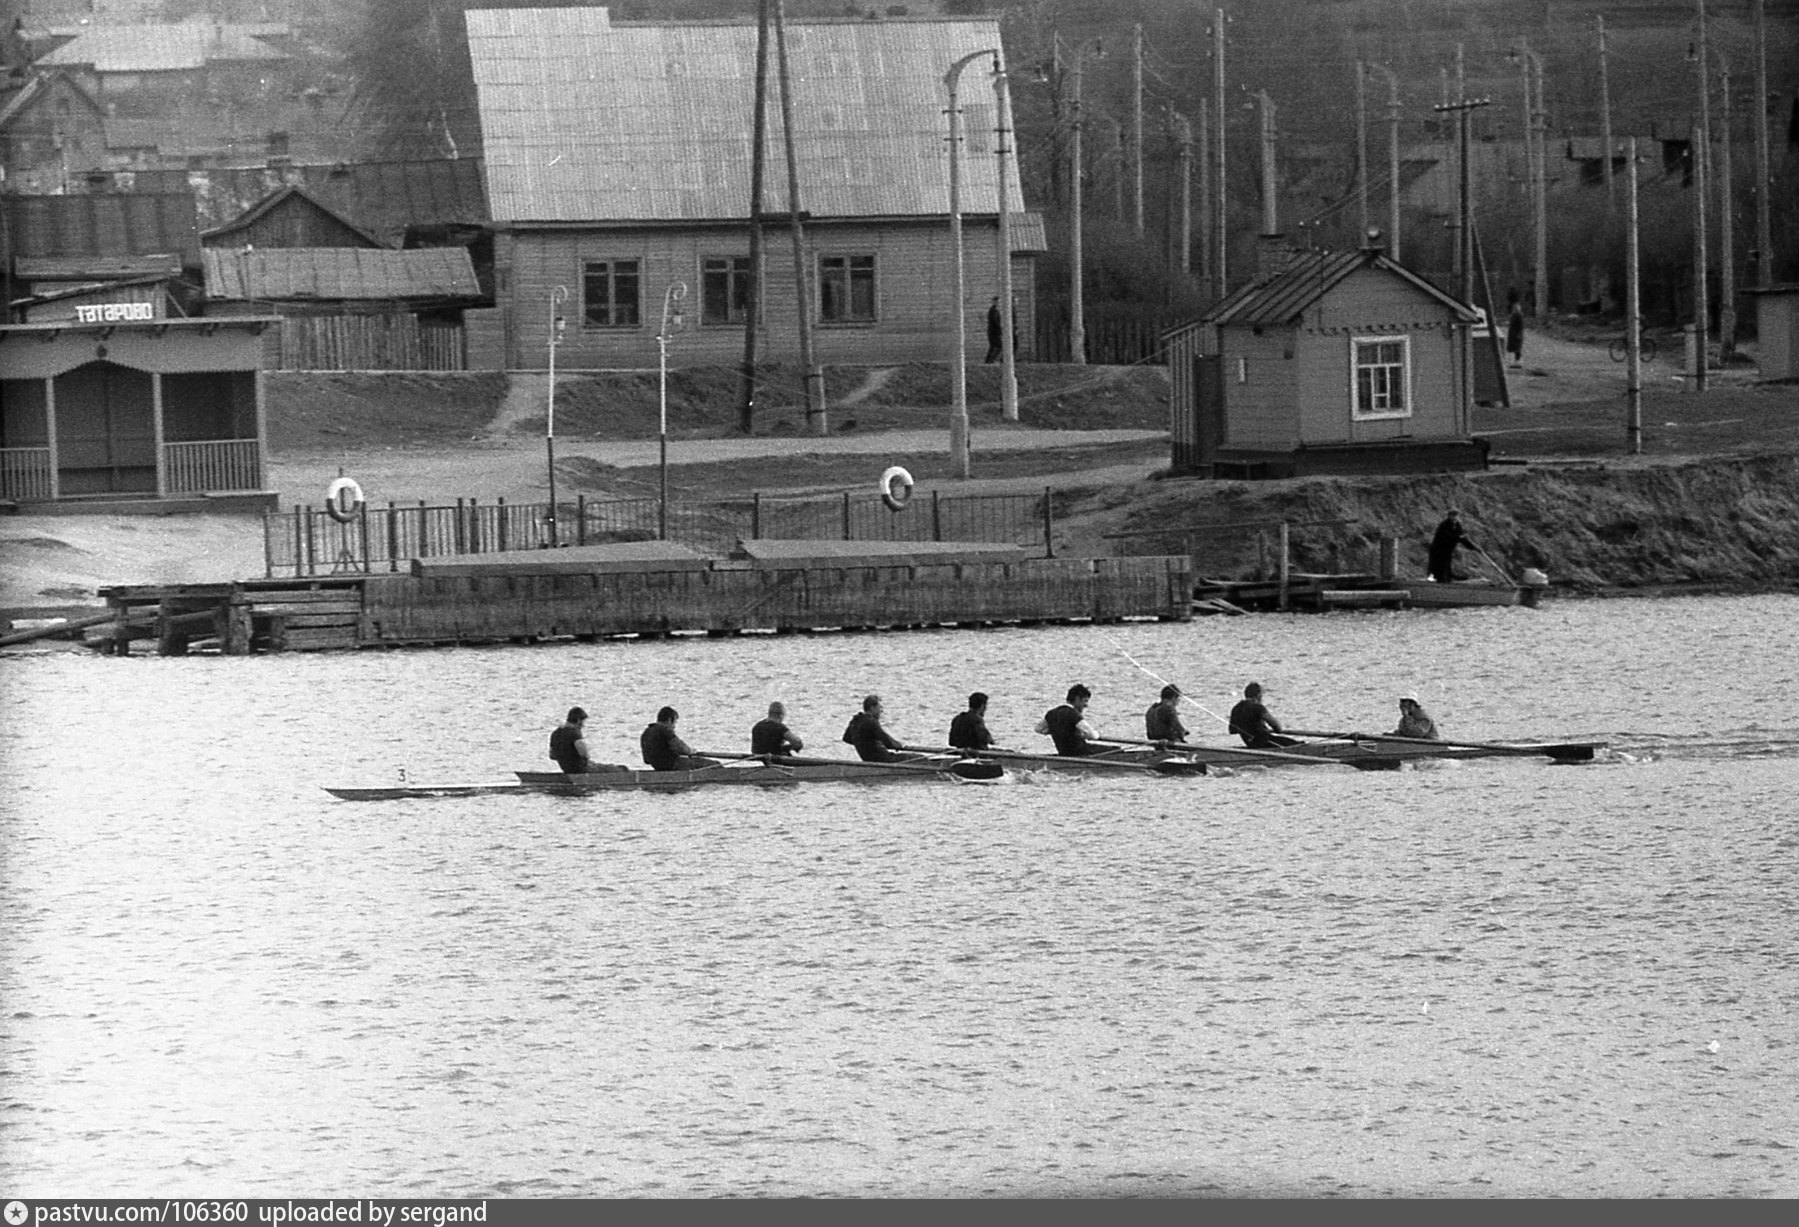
x,y
343,500
896,488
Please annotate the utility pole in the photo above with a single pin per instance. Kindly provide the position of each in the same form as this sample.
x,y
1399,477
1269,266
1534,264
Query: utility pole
x,y
1727,259
1220,222
1633,313
746,405
1137,128
1465,245
1605,121
1535,138
1270,216
1361,147
1764,179
815,377
1118,179
1392,159
1008,379
1184,207
1702,131
1205,189
1077,305
958,420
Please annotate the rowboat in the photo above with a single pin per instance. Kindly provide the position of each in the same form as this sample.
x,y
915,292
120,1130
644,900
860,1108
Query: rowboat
x,y
765,773
400,792
1366,752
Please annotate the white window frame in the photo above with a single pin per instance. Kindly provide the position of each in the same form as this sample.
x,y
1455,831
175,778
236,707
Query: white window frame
x,y
1356,412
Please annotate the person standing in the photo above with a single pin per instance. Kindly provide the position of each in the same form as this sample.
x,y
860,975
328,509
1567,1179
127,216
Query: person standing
x,y
1514,328
568,744
1440,562
772,736
1414,721
996,332
1255,724
873,743
1162,722
968,731
1067,725
663,748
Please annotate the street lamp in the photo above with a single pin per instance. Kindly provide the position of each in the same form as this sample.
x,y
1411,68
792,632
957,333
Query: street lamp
x,y
558,296
958,422
671,323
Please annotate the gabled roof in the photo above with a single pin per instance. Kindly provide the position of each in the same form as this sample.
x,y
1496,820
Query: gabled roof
x,y
168,47
278,274
128,269
41,86
586,120
276,199
109,224
1310,275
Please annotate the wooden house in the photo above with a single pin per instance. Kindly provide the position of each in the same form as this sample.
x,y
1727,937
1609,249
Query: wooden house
x,y
289,217
53,132
117,409
49,244
350,308
618,158
1329,362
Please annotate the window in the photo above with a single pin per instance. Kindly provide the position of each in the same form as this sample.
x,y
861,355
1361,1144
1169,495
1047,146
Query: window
x,y
846,289
609,294
1382,377
724,289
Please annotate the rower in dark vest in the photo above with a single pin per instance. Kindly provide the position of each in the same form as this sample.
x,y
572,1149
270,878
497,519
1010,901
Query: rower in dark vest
x,y
664,750
1067,725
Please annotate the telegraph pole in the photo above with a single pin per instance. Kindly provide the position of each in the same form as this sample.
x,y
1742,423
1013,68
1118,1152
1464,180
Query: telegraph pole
x,y
1727,262
1465,245
1077,305
746,405
1220,223
1764,179
1702,132
1184,209
815,376
1008,379
1633,313
1361,146
1137,128
1605,121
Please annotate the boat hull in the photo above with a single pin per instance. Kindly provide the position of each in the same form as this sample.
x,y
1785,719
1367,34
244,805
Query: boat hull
x,y
751,774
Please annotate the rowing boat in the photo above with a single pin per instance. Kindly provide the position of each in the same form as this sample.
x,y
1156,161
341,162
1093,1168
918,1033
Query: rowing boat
x,y
1364,752
764,773
401,792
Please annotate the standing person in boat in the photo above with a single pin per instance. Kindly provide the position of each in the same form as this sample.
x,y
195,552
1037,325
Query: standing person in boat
x,y
568,744
1067,725
968,731
664,750
1449,534
1414,721
772,736
1255,724
1162,722
873,743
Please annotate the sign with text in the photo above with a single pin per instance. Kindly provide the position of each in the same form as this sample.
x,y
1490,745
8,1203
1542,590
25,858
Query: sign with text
x,y
114,312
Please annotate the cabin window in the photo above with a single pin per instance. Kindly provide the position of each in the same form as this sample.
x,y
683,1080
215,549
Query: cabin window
x,y
609,294
846,289
1382,369
724,289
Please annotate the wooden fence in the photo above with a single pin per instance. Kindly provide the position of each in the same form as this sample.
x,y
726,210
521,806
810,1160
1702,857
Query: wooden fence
x,y
307,541
25,473
1111,340
394,342
211,465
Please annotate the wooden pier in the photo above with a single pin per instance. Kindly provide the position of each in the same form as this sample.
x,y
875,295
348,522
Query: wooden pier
x,y
647,589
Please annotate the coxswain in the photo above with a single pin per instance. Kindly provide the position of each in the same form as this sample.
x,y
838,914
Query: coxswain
x,y
1067,725
772,736
1255,724
873,743
968,731
1162,722
1414,721
664,750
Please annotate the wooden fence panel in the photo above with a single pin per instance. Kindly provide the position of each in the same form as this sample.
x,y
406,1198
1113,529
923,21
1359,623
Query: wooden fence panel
x,y
391,342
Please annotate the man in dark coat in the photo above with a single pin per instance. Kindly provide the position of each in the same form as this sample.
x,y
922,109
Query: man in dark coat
x,y
968,731
664,750
1439,566
996,332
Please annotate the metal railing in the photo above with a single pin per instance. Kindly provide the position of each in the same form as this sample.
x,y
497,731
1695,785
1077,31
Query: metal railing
x,y
25,473
309,541
212,464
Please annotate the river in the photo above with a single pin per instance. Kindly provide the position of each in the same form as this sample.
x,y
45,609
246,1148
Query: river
x,y
1489,978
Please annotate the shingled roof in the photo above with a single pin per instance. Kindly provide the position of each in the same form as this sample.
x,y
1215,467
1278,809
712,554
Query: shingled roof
x,y
587,120
278,274
1309,276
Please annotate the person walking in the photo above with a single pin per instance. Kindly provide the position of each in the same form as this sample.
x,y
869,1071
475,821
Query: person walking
x,y
1514,328
996,332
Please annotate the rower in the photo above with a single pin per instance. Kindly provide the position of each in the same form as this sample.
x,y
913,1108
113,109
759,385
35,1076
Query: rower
x,y
772,736
873,743
968,731
568,745
1414,721
1255,724
1067,725
664,750
1162,722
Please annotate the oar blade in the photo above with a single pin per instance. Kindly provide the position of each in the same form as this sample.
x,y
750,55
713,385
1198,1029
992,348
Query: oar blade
x,y
1178,766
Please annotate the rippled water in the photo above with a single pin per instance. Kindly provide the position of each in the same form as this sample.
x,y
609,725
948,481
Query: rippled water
x,y
1490,978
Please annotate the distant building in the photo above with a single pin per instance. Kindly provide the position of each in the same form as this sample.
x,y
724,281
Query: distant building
x,y
52,131
1341,362
618,163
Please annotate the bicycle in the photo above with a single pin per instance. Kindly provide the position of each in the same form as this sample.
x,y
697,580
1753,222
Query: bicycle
x,y
1620,348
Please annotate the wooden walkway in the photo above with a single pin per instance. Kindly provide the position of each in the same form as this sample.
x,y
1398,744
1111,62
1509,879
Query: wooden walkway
x,y
646,590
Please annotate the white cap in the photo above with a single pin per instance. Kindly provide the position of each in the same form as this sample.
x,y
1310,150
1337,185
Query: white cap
x,y
1410,696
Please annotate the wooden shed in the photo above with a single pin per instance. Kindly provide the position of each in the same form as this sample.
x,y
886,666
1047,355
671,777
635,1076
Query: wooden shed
x,y
117,411
1777,330
1329,362
289,217
618,158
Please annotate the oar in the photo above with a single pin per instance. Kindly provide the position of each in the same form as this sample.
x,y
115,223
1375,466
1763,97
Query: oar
x,y
1503,573
1275,755
1089,760
1581,750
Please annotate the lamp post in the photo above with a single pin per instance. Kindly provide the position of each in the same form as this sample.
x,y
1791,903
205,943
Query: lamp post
x,y
671,323
558,296
958,421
